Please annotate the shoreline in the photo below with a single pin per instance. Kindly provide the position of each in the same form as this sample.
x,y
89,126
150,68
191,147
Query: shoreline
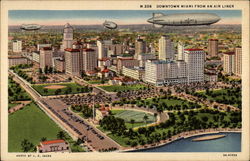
x,y
209,137
180,136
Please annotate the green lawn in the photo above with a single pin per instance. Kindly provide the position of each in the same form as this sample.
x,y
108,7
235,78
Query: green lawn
x,y
118,88
71,88
32,124
10,105
95,82
119,139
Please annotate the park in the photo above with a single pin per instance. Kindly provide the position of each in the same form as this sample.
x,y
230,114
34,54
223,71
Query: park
x,y
60,88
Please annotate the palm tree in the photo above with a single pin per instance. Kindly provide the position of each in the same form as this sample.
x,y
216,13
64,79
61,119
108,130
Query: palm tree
x,y
61,135
145,117
26,145
43,139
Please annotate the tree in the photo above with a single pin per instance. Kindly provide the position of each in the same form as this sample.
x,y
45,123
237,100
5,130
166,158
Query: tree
x,y
43,139
155,115
27,146
145,117
45,90
132,121
61,135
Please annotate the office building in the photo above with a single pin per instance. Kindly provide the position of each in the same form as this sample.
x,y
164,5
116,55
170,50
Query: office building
x,y
144,57
45,59
73,62
213,47
17,46
238,61
180,51
140,47
166,48
17,60
68,36
229,62
90,59
195,59
134,72
126,62
40,46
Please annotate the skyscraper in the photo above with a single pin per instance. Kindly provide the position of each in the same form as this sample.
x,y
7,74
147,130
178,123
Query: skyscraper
x,y
166,48
67,36
229,62
213,47
102,50
194,59
180,49
46,55
238,61
73,62
140,47
89,59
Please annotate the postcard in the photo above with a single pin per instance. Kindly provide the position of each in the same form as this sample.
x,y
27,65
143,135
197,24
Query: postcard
x,y
125,80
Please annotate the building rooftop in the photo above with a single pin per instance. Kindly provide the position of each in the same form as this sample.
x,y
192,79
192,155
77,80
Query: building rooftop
x,y
52,142
229,53
16,57
72,50
46,48
104,59
193,49
67,25
88,49
77,43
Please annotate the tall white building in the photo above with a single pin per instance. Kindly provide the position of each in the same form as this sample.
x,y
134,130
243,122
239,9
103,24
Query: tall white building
x,y
180,51
166,48
160,72
238,61
40,46
194,59
68,36
102,52
155,71
17,46
73,62
229,62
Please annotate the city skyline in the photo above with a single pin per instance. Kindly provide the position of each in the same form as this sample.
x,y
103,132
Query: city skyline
x,y
94,17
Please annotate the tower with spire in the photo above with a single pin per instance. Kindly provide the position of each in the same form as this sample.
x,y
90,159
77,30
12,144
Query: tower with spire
x,y
68,36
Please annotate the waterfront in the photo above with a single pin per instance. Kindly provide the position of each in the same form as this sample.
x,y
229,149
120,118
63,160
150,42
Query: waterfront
x,y
230,143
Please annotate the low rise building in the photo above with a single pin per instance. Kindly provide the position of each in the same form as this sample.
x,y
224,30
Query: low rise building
x,y
17,60
126,62
122,81
211,77
134,72
36,56
53,146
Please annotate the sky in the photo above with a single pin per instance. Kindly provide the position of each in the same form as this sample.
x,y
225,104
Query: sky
x,y
95,17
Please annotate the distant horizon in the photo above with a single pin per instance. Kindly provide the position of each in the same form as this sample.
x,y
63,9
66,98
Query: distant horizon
x,y
100,24
97,17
